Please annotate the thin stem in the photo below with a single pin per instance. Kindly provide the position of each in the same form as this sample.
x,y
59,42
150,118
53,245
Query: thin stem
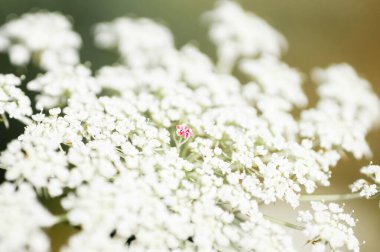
x,y
182,142
226,64
284,223
5,120
242,217
331,197
336,197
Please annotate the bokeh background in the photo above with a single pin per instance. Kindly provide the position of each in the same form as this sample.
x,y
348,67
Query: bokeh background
x,y
319,33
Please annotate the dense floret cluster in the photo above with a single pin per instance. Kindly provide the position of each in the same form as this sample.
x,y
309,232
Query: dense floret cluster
x,y
329,226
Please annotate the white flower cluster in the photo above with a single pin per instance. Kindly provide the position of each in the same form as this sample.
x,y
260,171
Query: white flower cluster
x,y
328,226
94,242
46,38
161,210
275,89
365,188
357,102
22,219
373,172
13,101
109,146
274,78
347,110
140,42
237,33
56,87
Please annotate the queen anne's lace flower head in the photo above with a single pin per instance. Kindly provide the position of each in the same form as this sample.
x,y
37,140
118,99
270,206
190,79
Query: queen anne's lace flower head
x,y
44,37
132,177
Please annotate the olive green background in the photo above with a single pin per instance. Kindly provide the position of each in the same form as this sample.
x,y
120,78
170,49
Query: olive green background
x,y
319,33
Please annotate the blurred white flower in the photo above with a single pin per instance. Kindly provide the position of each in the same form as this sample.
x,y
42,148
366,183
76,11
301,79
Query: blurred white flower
x,y
240,34
94,242
22,219
275,78
140,42
44,37
345,113
13,101
353,95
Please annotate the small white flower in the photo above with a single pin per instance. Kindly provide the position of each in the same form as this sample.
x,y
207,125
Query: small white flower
x,y
372,171
364,188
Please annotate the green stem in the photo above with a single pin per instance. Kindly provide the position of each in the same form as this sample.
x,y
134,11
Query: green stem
x,y
5,120
182,142
241,217
284,223
226,64
331,197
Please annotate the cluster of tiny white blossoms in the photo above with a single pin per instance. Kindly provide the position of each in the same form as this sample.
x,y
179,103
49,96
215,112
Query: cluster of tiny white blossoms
x,y
13,102
241,34
54,88
329,226
348,108
367,188
166,151
22,218
140,42
43,37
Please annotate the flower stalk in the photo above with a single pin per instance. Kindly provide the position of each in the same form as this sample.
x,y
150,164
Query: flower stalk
x,y
334,197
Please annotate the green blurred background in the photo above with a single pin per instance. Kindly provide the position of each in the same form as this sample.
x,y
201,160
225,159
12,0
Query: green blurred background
x,y
319,33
